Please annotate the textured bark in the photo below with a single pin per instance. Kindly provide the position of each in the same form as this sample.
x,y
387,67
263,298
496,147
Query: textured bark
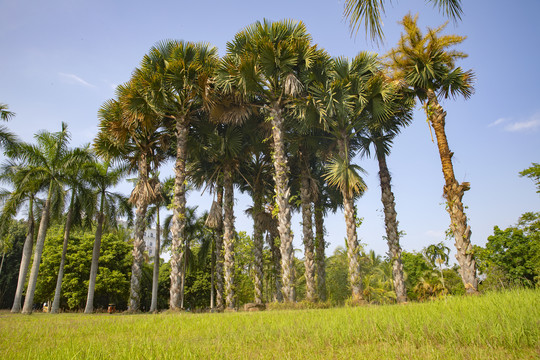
x,y
352,240
42,232
58,291
25,261
220,304
155,274
391,225
273,237
453,193
320,247
281,173
138,241
179,214
258,241
307,229
95,259
228,238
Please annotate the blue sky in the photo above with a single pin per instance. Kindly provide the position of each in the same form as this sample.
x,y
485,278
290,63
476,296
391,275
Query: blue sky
x,y
61,59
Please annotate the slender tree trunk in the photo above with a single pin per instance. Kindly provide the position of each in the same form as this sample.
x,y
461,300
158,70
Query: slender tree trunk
x,y
281,174
95,257
220,303
258,241
58,291
391,225
138,241
183,275
2,262
273,237
453,193
228,237
42,233
307,228
212,276
155,275
320,246
179,213
25,261
352,240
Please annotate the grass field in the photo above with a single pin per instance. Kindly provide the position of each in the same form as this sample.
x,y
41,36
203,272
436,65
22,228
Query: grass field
x,y
492,326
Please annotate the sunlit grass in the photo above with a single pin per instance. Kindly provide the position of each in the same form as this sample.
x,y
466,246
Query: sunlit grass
x,y
492,326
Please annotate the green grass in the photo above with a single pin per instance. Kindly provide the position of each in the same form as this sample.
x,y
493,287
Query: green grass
x,y
492,326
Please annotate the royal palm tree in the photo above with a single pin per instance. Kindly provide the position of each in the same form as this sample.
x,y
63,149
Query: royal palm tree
x,y
174,77
427,67
110,206
387,111
50,160
80,204
264,61
25,189
369,12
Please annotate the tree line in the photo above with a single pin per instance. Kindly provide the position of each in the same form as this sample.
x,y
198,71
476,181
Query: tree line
x,y
276,117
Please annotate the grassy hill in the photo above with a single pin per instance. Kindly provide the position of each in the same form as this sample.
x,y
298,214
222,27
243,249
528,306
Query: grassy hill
x,y
492,326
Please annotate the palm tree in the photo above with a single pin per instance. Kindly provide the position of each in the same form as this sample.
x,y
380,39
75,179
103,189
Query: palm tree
x,y
7,139
425,65
438,254
264,62
339,100
25,190
80,203
387,111
110,206
50,160
369,12
174,77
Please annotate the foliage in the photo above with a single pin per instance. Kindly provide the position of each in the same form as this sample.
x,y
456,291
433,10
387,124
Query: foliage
x,y
511,257
13,242
337,282
112,282
533,173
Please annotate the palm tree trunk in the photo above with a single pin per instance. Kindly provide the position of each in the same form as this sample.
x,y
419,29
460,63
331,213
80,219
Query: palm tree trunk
x,y
258,242
320,246
179,213
228,237
95,257
391,225
42,232
219,254
138,241
272,238
307,229
212,276
353,249
26,256
453,193
281,174
67,230
155,275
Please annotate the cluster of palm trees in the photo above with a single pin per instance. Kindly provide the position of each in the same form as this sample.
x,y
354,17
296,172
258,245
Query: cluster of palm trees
x,y
276,117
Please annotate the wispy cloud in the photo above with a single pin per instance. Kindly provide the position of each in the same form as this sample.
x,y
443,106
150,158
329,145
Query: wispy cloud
x,y
439,234
75,79
530,124
498,122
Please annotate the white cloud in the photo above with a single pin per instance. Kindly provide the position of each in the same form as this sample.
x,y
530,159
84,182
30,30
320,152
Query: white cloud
x,y
498,122
74,78
439,234
531,124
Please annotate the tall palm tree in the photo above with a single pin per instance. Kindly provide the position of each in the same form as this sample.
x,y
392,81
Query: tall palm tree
x,y
80,204
438,254
369,12
264,62
25,189
427,67
339,100
110,206
174,77
50,160
386,112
